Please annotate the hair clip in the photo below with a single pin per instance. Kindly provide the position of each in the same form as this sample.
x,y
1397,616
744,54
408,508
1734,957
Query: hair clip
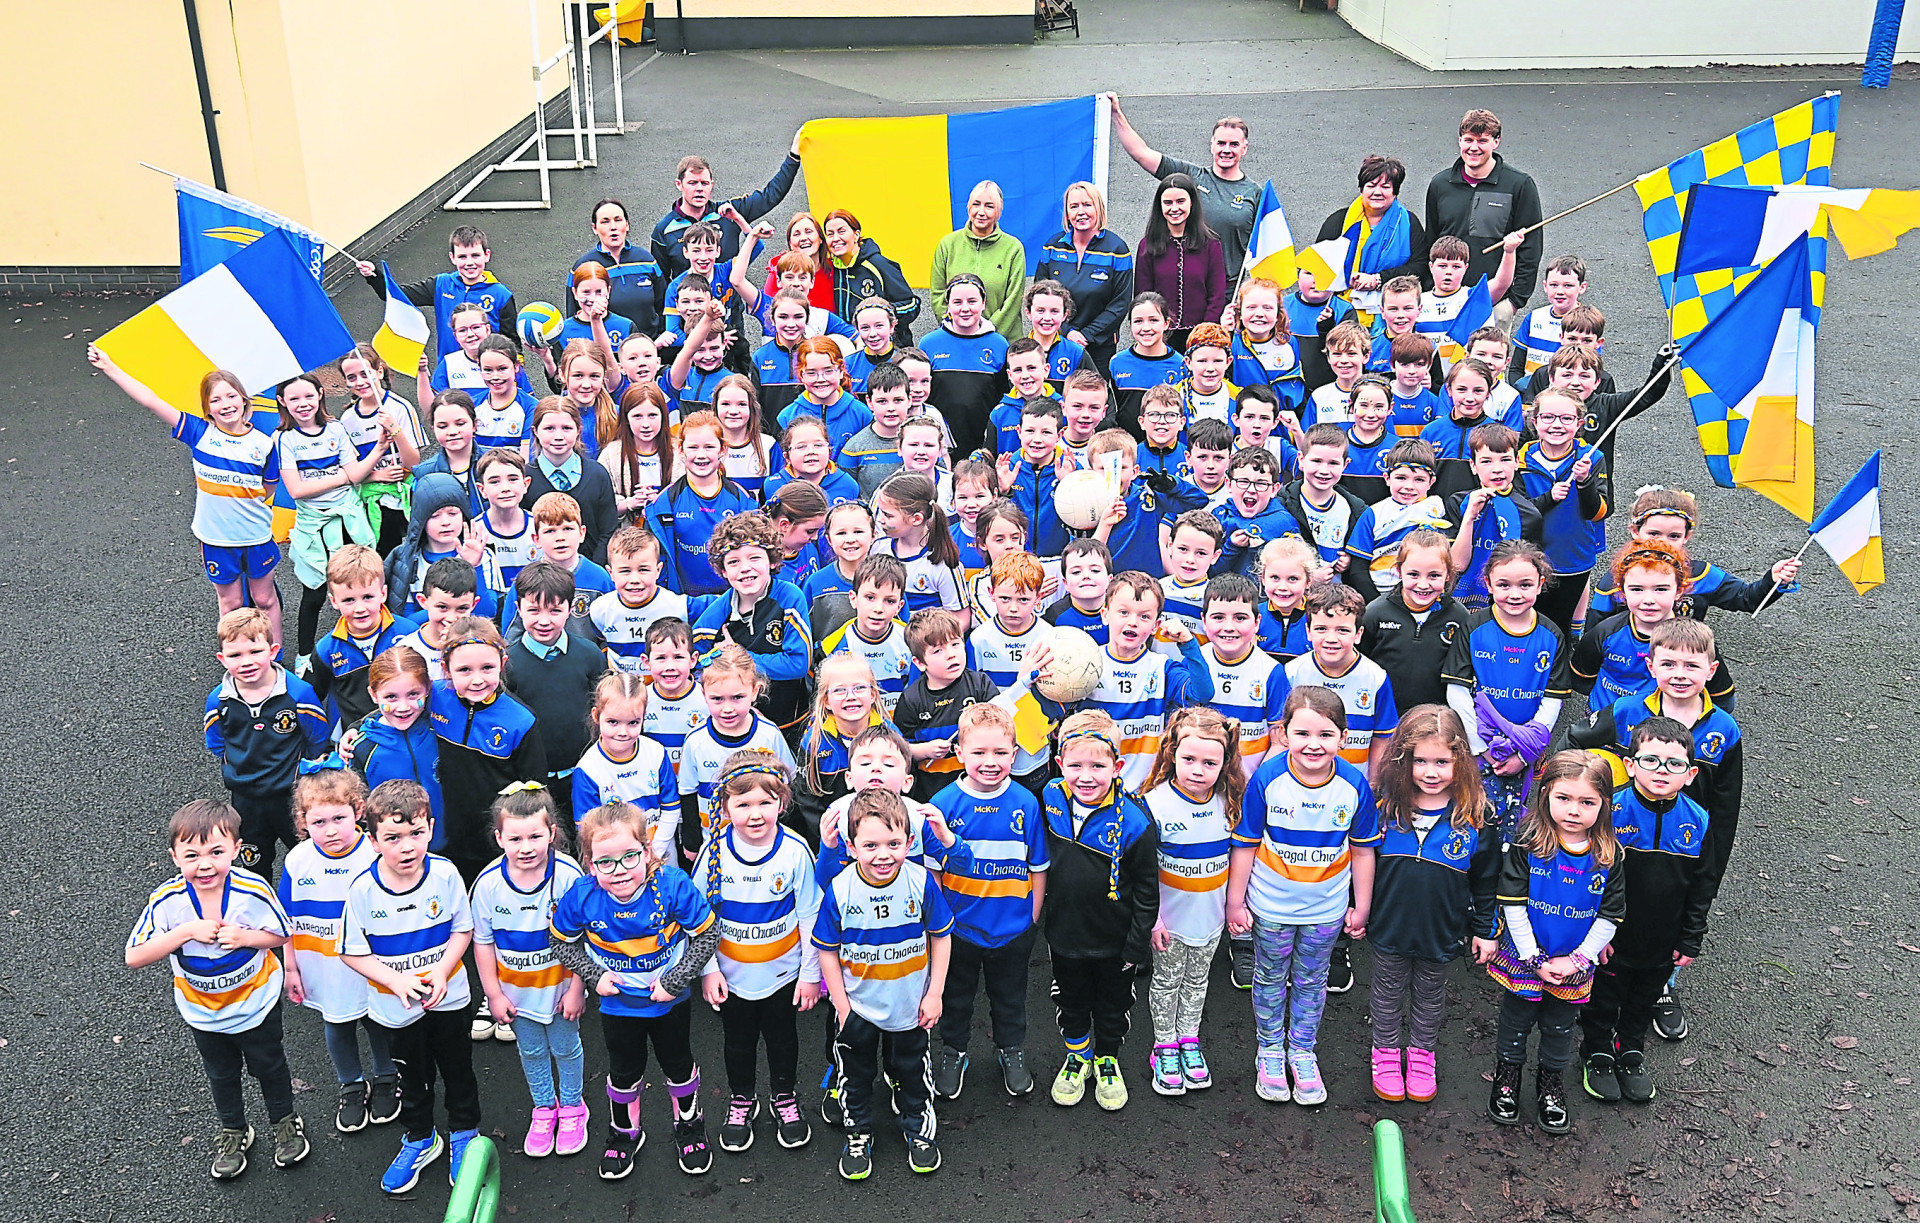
x,y
322,764
521,787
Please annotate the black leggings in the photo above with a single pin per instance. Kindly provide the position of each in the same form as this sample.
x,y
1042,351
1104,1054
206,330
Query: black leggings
x,y
627,1037
748,1021
1561,601
393,529
1556,1019
311,601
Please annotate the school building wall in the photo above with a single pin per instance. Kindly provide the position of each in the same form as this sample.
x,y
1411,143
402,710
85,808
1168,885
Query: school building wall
x,y
338,114
1451,35
723,25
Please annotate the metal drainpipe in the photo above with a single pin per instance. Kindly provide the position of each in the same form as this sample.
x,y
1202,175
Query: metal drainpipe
x,y
207,112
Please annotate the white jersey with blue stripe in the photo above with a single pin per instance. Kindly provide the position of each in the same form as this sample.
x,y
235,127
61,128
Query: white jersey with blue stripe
x,y
1134,695
511,552
883,935
705,753
316,456
313,891
1184,603
1194,853
1437,315
888,658
647,781
231,472
214,988
624,628
767,900
501,425
409,932
1367,694
670,720
514,923
1303,837
1000,655
928,584
1254,692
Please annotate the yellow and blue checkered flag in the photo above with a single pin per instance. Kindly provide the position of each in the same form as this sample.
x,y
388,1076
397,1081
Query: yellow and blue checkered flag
x,y
1793,147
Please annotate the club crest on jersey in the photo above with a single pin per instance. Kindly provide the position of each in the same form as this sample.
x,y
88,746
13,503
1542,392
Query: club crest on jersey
x,y
1147,501
285,722
775,631
1543,661
1256,691
1363,698
1342,816
433,907
1456,846
499,737
1711,746
913,907
1597,884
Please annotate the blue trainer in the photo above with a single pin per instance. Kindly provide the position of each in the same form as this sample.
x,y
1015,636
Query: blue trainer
x,y
456,1151
415,1154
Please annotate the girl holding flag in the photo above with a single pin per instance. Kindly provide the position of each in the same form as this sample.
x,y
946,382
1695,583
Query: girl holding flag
x,y
1384,240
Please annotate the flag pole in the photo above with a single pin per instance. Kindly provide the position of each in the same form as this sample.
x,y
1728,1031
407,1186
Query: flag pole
x,y
1594,447
1776,588
324,241
1568,212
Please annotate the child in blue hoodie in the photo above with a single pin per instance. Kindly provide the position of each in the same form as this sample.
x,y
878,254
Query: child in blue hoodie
x,y
440,526
1148,503
397,742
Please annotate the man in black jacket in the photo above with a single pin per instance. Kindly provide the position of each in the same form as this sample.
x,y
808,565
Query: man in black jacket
x,y
1481,199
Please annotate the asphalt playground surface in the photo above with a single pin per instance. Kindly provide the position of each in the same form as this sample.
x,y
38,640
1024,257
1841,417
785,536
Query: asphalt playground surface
x,y
1793,1099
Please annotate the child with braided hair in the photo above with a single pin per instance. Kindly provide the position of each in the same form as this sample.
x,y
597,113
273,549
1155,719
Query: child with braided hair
x,y
758,876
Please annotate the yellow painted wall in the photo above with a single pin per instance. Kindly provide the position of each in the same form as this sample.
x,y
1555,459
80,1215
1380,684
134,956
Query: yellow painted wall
x,y
92,92
333,112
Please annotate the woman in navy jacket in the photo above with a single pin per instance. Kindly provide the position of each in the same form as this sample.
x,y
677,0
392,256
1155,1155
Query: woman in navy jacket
x,y
1096,266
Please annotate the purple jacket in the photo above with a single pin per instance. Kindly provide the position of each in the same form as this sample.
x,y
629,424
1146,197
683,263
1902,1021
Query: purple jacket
x,y
1194,283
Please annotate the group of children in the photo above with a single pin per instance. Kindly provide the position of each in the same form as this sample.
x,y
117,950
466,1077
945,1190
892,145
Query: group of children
x,y
686,678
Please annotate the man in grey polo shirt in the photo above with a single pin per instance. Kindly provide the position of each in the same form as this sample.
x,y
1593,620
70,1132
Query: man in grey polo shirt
x,y
1229,196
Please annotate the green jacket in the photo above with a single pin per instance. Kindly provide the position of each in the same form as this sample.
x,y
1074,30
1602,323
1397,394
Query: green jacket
x,y
1001,264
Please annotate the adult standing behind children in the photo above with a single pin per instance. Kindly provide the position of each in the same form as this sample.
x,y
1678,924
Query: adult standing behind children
x,y
986,251
1384,238
1095,265
1182,260
1229,196
1481,199
633,277
694,177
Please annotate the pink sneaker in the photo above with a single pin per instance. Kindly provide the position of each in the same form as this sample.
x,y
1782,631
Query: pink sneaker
x,y
539,1142
1388,1082
1422,1085
573,1129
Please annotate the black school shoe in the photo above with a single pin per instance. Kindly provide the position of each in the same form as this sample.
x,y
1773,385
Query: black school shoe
x,y
1669,1018
1340,971
1550,1101
1599,1078
1636,1081
1503,1102
1241,950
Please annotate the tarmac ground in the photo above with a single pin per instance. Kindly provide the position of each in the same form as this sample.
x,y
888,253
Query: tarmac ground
x,y
1793,1099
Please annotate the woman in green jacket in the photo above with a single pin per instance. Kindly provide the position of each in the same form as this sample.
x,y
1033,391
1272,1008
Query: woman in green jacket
x,y
983,249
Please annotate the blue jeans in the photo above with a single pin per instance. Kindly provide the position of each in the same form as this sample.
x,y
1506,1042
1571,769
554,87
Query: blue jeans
x,y
544,1046
1290,982
343,1049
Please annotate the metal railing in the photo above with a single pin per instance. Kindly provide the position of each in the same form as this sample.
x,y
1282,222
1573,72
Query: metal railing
x,y
476,1196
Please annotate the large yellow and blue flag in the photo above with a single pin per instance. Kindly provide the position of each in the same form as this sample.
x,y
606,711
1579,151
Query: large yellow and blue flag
x,y
932,162
258,314
1792,147
1745,227
1849,528
214,225
1749,374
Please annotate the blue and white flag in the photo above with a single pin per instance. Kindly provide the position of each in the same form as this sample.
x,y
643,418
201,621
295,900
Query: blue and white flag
x,y
214,225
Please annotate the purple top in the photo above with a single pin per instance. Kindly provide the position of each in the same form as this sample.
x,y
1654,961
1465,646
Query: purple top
x,y
1194,283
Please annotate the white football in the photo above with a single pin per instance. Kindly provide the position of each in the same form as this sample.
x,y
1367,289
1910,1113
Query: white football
x,y
1081,497
1073,670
